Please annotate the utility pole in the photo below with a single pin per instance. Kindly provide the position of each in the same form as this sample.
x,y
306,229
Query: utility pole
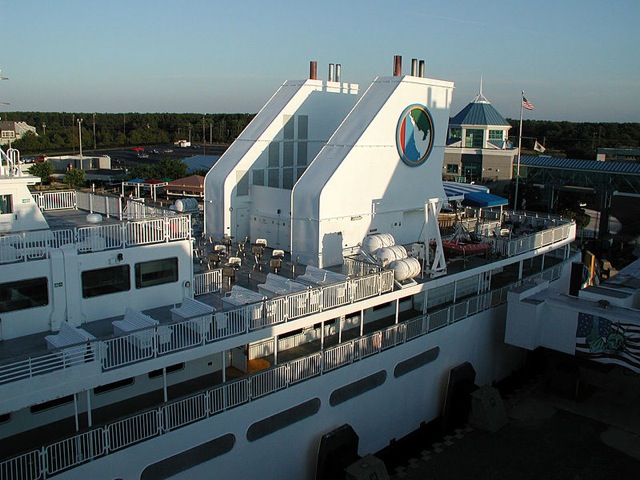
x,y
204,139
80,140
94,132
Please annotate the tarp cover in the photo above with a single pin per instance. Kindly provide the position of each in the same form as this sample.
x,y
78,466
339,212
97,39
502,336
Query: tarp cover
x,y
483,199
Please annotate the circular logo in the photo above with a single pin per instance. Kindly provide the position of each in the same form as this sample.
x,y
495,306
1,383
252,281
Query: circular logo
x,y
414,136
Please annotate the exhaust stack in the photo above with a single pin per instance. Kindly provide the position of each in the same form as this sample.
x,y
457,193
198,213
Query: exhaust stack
x,y
313,70
397,65
332,72
421,69
414,67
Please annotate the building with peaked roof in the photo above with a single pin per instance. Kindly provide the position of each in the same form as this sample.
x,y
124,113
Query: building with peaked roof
x,y
11,131
478,146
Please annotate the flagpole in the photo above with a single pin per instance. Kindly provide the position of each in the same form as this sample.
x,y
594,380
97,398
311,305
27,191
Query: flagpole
x,y
515,198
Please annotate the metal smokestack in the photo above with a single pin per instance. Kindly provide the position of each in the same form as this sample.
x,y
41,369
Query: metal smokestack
x,y
414,67
313,70
331,72
338,72
397,65
421,69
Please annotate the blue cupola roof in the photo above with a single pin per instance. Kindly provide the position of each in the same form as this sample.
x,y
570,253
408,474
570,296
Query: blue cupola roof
x,y
479,112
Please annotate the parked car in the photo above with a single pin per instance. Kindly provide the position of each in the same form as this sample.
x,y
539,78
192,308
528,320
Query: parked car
x,y
167,150
143,155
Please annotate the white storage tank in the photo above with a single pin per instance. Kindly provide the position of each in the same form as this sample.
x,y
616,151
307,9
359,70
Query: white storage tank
x,y
186,204
376,241
384,256
405,268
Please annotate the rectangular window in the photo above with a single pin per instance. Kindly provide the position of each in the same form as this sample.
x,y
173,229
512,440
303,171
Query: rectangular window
x,y
51,404
113,386
258,177
456,133
287,154
274,177
302,154
303,127
274,154
495,134
24,294
288,127
104,281
473,138
6,204
452,168
287,178
156,272
242,188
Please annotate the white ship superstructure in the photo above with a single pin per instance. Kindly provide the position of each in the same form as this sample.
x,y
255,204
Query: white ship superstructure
x,y
325,291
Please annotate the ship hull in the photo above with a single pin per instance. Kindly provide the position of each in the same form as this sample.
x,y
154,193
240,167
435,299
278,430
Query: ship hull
x,y
385,408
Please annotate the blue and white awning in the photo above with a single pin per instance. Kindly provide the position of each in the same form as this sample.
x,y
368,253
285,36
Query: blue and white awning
x,y
472,195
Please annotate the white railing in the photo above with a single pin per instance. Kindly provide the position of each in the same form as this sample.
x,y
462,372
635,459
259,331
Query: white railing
x,y
81,448
74,451
207,282
35,245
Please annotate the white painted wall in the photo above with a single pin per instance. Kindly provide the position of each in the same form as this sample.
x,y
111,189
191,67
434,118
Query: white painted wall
x,y
358,182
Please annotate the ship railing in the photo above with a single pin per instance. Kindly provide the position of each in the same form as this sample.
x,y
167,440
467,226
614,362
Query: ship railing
x,y
55,200
516,246
207,282
74,451
120,434
36,245
124,350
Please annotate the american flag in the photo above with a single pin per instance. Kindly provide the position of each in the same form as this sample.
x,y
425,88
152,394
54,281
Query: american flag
x,y
602,340
526,104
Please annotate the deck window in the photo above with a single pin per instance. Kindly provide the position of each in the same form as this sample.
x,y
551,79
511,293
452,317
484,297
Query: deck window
x,y
495,135
452,168
6,204
104,281
23,294
473,138
156,272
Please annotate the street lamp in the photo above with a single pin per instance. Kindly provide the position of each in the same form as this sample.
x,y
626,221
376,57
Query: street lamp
x,y
80,140
44,129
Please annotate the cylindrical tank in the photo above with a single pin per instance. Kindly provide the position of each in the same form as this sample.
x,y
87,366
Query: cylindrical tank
x,y
373,242
385,255
405,268
186,204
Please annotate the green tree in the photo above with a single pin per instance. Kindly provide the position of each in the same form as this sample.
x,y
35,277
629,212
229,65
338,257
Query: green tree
x,y
42,170
74,178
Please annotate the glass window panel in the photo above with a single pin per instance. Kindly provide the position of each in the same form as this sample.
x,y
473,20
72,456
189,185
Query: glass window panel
x,y
103,281
288,127
274,154
258,177
156,272
287,154
274,177
302,154
303,127
23,294
287,178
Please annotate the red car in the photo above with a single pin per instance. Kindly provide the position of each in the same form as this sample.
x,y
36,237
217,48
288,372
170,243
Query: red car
x,y
138,149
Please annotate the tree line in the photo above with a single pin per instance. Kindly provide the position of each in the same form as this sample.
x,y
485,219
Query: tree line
x,y
576,140
57,132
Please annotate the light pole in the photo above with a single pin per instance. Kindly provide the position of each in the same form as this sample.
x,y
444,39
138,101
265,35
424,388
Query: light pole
x,y
44,129
94,132
80,140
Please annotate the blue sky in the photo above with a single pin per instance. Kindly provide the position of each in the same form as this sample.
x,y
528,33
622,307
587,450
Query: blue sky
x,y
575,60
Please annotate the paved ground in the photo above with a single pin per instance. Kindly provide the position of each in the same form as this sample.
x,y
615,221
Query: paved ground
x,y
548,436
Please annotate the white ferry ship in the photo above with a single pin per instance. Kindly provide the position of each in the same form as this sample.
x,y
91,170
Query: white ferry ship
x,y
323,294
